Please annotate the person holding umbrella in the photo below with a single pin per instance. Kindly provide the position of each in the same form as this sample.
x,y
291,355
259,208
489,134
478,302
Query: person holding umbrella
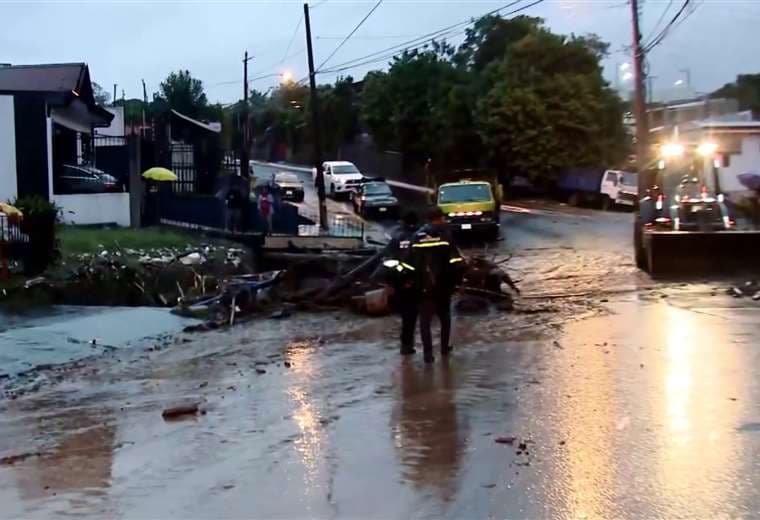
x,y
151,213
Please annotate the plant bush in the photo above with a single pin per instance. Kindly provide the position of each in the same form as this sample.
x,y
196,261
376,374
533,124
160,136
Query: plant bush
x,y
40,222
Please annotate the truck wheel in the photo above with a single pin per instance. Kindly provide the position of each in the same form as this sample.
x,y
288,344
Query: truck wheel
x,y
332,191
494,234
638,245
607,203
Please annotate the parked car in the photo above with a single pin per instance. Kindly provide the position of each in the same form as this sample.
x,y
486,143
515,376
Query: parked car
x,y
341,177
289,186
605,188
374,197
86,179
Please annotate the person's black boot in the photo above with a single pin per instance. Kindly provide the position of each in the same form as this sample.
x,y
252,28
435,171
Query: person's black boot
x,y
408,351
429,358
446,351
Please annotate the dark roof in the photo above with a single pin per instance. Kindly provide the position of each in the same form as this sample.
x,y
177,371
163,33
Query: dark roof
x,y
51,78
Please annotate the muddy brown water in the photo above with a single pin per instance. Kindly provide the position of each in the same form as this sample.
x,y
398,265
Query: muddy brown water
x,y
626,398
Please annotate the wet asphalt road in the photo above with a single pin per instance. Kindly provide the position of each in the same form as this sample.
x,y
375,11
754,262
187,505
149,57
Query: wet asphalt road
x,y
626,398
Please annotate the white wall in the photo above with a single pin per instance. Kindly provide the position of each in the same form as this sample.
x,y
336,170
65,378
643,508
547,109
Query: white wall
x,y
117,125
747,161
95,208
8,179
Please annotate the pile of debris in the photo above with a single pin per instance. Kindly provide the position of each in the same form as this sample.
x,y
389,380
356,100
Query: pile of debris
x,y
333,280
158,277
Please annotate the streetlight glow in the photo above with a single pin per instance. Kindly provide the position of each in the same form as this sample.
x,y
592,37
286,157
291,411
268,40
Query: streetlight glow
x,y
670,150
625,66
707,149
627,76
287,76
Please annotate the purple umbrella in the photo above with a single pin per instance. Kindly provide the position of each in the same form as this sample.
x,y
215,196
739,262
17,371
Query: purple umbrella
x,y
750,180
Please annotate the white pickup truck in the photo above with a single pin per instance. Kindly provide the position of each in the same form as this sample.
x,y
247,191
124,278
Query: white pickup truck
x,y
341,177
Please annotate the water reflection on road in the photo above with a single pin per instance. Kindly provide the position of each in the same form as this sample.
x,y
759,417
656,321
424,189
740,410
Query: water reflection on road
x,y
426,428
648,410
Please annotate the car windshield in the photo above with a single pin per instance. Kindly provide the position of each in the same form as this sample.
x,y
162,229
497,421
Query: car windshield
x,y
464,193
630,179
344,169
377,188
286,177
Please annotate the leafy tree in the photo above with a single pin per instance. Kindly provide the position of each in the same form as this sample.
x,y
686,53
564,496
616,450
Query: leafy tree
x,y
746,90
580,121
406,107
102,97
516,129
184,94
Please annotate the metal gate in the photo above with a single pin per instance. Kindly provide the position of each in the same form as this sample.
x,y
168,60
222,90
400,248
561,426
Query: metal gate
x,y
183,166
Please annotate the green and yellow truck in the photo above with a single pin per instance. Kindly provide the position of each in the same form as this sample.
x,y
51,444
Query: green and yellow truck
x,y
471,206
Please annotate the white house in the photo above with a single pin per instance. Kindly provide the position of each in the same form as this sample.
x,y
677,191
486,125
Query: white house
x,y
738,152
47,112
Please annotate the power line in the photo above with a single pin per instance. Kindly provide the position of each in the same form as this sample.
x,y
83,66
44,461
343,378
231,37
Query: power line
x,y
292,39
424,40
661,36
661,18
348,37
378,37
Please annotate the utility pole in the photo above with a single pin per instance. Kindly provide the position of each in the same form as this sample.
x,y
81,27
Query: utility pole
x,y
145,103
640,108
315,123
114,95
245,146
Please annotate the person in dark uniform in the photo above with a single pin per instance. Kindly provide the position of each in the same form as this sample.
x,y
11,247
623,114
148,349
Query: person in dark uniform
x,y
438,269
398,275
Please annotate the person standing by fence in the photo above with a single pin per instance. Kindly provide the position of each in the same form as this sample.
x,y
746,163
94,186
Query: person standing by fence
x,y
234,203
265,204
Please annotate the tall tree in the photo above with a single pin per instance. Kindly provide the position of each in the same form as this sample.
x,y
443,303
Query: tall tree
x,y
102,97
184,93
746,90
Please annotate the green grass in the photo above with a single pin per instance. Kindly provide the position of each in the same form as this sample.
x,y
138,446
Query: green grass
x,y
77,240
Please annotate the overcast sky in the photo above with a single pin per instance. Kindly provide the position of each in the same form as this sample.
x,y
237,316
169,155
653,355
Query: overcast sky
x,y
125,41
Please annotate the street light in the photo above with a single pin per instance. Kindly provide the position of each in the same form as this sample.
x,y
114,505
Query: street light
x,y
627,76
707,149
286,77
671,150
625,66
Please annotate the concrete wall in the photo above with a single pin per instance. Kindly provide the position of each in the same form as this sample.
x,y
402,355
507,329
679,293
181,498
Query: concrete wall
x,y
117,125
746,161
95,208
8,179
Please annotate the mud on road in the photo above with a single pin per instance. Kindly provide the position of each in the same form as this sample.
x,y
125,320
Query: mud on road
x,y
601,379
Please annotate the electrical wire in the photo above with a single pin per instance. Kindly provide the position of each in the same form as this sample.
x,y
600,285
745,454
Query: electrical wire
x,y
292,39
424,40
420,40
348,37
660,19
661,36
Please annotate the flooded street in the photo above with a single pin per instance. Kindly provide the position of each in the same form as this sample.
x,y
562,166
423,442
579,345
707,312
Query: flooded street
x,y
605,394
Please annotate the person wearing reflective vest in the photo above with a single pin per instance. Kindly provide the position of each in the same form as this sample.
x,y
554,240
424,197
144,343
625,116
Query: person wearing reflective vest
x,y
398,274
438,268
